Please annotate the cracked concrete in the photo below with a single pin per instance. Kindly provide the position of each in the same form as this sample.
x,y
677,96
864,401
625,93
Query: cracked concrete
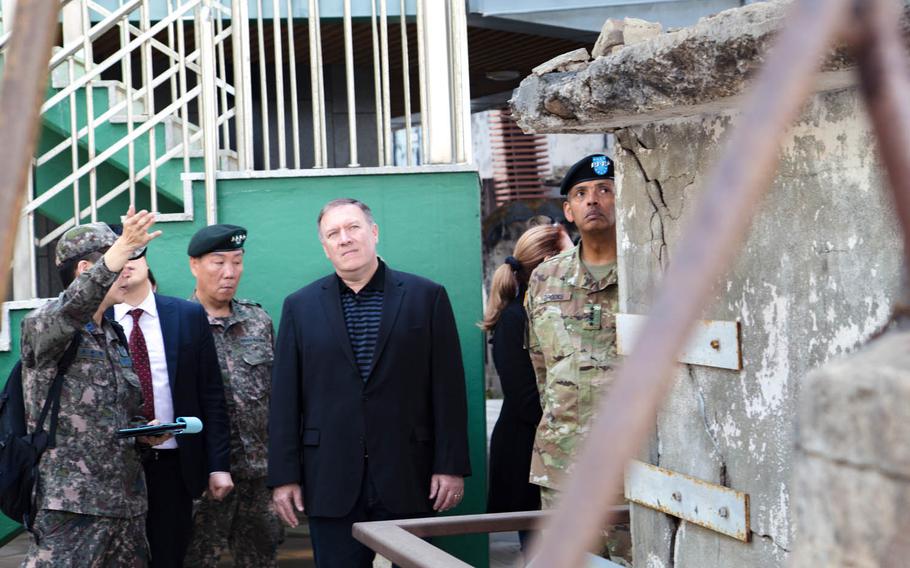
x,y
815,277
682,74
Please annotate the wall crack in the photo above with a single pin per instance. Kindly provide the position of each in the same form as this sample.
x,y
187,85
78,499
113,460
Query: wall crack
x,y
629,142
674,532
702,409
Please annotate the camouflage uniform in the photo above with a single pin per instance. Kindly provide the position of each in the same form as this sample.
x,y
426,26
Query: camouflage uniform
x,y
572,343
245,520
91,486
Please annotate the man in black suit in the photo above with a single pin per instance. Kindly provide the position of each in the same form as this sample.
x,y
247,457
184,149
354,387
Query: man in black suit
x,y
368,417
174,356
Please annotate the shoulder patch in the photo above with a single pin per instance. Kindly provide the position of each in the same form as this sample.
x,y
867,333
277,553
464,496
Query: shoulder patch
x,y
246,302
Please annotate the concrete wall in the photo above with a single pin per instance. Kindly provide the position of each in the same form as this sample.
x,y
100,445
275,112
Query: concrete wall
x,y
815,277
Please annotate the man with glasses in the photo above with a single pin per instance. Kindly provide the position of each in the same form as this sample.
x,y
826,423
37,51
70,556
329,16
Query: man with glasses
x,y
571,303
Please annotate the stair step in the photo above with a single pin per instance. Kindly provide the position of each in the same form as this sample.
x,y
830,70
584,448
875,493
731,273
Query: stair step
x,y
116,94
173,135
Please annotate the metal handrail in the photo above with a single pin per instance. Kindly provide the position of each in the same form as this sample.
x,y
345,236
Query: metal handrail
x,y
145,41
110,151
400,541
132,46
95,32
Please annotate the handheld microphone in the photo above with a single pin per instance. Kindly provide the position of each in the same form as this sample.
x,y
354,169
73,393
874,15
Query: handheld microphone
x,y
181,425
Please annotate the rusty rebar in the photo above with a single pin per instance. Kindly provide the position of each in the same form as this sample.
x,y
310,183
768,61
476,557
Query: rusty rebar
x,y
25,72
718,227
400,541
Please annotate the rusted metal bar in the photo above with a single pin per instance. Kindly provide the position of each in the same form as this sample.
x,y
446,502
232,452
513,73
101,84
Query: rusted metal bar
x,y
401,541
21,94
626,416
885,83
404,548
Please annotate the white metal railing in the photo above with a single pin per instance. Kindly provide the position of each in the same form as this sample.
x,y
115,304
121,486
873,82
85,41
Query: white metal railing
x,y
441,73
225,96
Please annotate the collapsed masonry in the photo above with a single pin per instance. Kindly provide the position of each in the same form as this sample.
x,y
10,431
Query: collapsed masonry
x,y
816,277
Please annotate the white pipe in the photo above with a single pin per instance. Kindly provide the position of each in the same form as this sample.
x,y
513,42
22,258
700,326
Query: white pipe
x,y
209,113
377,86
127,76
349,76
89,113
386,96
422,80
148,76
315,71
243,97
263,89
406,80
321,83
439,102
292,65
279,84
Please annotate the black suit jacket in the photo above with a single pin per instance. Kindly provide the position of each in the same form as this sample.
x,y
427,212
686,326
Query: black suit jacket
x,y
196,389
410,416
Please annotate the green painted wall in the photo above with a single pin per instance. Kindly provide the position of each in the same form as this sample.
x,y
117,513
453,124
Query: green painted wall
x,y
429,224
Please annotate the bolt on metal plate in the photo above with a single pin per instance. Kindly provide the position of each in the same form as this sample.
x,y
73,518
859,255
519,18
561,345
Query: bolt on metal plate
x,y
714,507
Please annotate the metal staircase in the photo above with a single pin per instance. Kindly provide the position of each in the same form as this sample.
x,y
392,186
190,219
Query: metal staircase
x,y
123,117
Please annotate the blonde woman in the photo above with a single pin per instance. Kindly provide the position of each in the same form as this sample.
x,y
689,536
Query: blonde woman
x,y
505,319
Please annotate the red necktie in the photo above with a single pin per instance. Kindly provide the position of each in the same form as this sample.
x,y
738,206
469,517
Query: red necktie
x,y
140,355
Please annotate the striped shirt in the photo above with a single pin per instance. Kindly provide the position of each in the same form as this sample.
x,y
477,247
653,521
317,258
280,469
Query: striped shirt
x,y
362,314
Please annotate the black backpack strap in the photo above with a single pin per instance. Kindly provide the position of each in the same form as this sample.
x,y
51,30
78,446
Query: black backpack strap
x,y
53,394
121,335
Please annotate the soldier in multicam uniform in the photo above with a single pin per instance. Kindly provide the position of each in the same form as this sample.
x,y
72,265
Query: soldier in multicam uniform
x,y
571,302
91,497
245,521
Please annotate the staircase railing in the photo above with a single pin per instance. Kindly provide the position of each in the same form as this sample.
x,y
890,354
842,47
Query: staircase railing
x,y
163,79
185,70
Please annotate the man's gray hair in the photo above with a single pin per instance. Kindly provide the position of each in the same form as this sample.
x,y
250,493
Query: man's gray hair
x,y
367,212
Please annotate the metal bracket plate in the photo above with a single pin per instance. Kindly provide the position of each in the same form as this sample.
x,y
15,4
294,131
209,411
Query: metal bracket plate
x,y
714,507
713,343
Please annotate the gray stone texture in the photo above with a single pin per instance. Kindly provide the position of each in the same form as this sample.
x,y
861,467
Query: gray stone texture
x,y
683,73
610,36
852,482
566,62
636,31
815,277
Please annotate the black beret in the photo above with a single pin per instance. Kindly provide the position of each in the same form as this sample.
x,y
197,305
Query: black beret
x,y
595,166
216,238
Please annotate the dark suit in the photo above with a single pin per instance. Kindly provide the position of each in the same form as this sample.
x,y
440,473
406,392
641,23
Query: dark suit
x,y
409,416
174,478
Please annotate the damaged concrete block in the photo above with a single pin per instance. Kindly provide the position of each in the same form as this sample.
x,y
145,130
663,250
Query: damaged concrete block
x,y
636,31
610,36
670,75
562,62
852,474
